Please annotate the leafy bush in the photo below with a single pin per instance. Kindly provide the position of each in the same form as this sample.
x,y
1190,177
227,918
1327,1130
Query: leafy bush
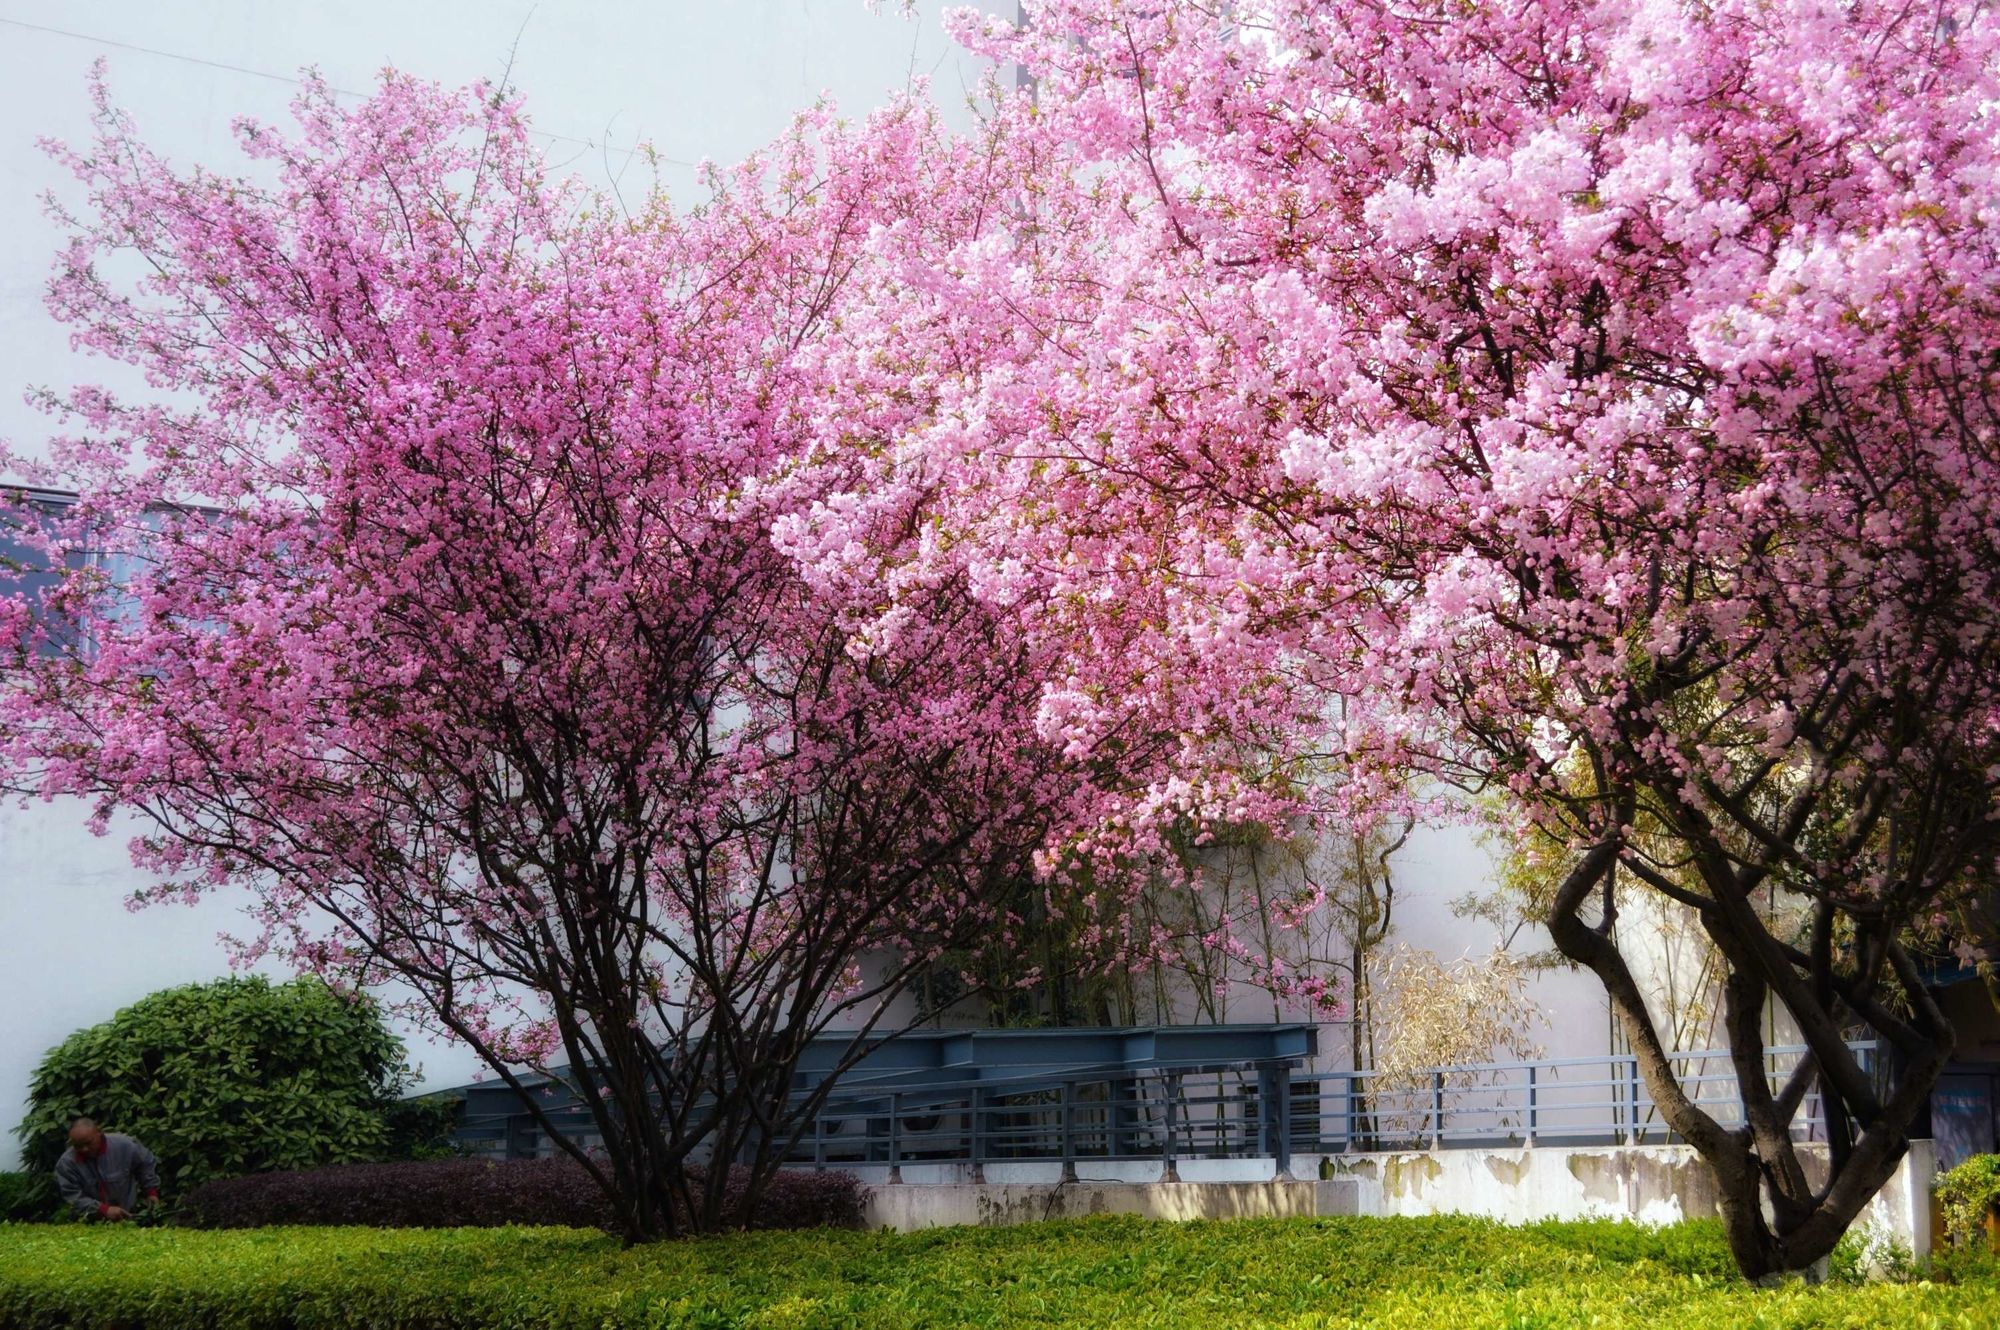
x,y
439,1193
486,1193
1967,1194
797,1199
1441,1273
235,1076
421,1128
27,1197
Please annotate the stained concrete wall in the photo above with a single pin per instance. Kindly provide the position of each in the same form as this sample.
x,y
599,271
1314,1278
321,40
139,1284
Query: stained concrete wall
x,y
1047,1172
1650,1184
1653,1184
913,1205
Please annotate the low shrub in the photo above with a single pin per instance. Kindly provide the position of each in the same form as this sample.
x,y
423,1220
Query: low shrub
x,y
1695,1247
236,1076
1439,1273
485,1193
795,1198
1967,1194
431,1193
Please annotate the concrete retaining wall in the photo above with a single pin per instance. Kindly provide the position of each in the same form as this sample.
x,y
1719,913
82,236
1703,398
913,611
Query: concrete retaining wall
x,y
1653,1184
908,1206
1049,1171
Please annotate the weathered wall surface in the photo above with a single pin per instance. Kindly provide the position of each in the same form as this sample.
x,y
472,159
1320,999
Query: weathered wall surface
x,y
1653,1184
1650,1184
912,1206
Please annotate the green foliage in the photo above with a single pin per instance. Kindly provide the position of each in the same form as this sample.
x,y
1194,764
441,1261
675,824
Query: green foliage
x,y
1695,1248
420,1128
27,1198
235,1076
1465,1274
1967,1195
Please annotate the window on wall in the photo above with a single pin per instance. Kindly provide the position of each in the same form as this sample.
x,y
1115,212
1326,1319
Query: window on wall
x,y
29,522
27,571
123,567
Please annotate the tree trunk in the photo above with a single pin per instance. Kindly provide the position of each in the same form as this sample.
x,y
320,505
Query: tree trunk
x,y
1765,1254
1777,1221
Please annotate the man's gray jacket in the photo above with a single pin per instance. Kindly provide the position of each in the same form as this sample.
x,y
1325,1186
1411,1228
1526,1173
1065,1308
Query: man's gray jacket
x,y
119,1176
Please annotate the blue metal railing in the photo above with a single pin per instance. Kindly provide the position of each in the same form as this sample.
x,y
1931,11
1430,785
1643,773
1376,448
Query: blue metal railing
x,y
1269,1110
1228,1110
1262,1108
1590,1100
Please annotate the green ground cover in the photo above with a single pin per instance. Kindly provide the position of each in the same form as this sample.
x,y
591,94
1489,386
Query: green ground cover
x,y
1441,1274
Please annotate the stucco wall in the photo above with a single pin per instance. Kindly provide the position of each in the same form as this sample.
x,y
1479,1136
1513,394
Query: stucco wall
x,y
1652,1184
1648,1184
906,1208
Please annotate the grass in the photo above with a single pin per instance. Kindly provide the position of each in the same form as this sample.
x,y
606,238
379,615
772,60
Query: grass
x,y
1440,1274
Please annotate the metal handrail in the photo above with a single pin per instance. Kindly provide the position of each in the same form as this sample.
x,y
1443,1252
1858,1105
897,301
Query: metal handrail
x,y
1248,1108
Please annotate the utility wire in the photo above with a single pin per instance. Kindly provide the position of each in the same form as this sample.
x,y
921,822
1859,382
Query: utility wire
x,y
282,78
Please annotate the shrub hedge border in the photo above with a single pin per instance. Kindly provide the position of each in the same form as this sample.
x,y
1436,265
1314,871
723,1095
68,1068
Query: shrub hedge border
x,y
1467,1274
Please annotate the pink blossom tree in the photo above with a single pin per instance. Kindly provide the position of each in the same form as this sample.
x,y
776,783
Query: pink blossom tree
x,y
1590,401
446,590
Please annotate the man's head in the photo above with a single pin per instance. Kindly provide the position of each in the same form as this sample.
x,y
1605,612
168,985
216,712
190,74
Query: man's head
x,y
86,1138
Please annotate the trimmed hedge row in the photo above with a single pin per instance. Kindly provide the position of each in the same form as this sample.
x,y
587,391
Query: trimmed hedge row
x,y
1465,1274
450,1193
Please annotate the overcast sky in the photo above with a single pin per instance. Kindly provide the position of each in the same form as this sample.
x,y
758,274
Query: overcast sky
x,y
715,79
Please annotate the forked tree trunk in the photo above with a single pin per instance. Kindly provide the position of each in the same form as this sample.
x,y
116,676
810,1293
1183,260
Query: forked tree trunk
x,y
1763,1245
1778,1220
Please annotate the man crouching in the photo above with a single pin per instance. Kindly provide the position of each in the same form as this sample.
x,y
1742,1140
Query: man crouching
x,y
103,1174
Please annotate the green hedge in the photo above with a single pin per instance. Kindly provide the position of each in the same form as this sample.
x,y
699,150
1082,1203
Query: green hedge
x,y
236,1076
26,1197
1967,1194
1438,1274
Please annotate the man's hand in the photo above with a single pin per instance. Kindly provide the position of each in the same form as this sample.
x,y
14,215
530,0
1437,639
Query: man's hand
x,y
116,1213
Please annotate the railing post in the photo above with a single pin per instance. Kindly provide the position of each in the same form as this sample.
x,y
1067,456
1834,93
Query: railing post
x,y
1532,1123
978,1135
819,1139
1281,1085
1632,1098
1437,1110
895,1138
1621,1125
1638,1121
1168,1171
1263,1145
1353,1111
1068,1132
1120,1096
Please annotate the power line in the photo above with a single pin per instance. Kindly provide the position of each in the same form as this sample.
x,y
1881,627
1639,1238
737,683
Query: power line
x,y
166,55
282,78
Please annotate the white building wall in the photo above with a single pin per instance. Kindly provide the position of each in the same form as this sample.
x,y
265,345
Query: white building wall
x,y
1440,867
1648,1184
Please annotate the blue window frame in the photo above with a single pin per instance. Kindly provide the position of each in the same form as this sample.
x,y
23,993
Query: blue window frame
x,y
25,567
